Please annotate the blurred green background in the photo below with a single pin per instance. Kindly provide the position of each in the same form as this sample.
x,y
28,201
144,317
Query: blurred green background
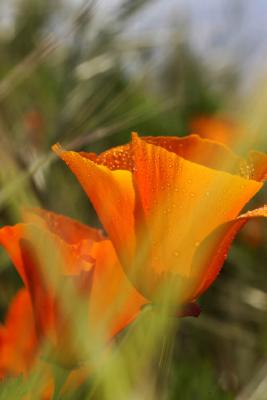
x,y
86,75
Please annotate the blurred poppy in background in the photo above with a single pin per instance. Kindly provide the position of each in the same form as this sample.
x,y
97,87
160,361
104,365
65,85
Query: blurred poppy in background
x,y
71,272
220,129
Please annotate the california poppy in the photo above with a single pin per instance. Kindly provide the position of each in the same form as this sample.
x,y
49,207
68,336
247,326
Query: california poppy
x,y
170,206
72,273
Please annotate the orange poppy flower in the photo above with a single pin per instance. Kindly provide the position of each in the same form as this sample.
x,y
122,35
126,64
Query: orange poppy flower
x,y
59,258
170,206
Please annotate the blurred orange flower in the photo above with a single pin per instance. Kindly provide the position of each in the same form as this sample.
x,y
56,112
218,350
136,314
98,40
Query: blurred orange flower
x,y
170,206
223,130
59,258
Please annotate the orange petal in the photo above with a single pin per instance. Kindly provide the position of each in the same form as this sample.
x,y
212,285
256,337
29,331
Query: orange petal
x,y
112,195
213,154
198,150
118,157
182,203
19,343
10,237
44,261
257,163
72,238
114,301
50,288
45,267
212,252
68,229
38,284
192,147
226,131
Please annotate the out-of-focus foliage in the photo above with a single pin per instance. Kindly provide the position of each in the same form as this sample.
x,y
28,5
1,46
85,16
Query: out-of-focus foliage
x,y
69,75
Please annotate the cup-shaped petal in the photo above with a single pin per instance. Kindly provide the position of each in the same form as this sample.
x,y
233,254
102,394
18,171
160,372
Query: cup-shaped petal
x,y
164,196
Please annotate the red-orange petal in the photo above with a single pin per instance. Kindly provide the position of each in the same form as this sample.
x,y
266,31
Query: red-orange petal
x,y
38,284
257,164
44,261
208,153
182,203
68,229
118,157
19,343
114,302
212,252
112,195
213,154
10,237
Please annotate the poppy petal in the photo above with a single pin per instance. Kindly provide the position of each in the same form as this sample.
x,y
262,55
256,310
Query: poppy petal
x,y
118,157
114,301
10,237
43,268
213,154
212,252
68,229
193,148
258,165
112,195
39,287
19,343
182,203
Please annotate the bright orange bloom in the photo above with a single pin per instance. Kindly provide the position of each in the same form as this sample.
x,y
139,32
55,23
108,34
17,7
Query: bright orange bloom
x,y
60,260
170,206
18,341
